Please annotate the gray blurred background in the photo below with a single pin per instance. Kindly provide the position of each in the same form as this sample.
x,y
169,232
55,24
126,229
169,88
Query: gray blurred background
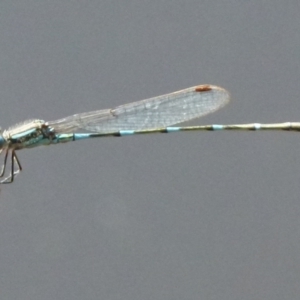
x,y
182,216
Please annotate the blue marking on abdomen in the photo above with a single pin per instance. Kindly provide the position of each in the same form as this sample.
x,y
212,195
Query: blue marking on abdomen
x,y
217,127
81,136
173,129
126,132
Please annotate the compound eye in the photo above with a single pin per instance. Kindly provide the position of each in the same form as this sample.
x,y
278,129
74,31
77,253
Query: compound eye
x,y
2,141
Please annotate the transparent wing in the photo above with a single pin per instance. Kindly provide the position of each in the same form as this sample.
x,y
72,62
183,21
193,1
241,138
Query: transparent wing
x,y
151,113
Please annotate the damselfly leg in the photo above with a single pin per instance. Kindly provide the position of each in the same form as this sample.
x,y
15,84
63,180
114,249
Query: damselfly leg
x,y
15,166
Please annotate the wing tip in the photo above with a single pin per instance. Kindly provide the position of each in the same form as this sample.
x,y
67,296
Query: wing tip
x,y
203,88
208,87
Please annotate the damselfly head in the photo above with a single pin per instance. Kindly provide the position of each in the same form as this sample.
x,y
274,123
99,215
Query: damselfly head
x,y
3,142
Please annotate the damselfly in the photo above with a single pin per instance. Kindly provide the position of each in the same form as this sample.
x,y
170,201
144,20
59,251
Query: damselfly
x,y
152,115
